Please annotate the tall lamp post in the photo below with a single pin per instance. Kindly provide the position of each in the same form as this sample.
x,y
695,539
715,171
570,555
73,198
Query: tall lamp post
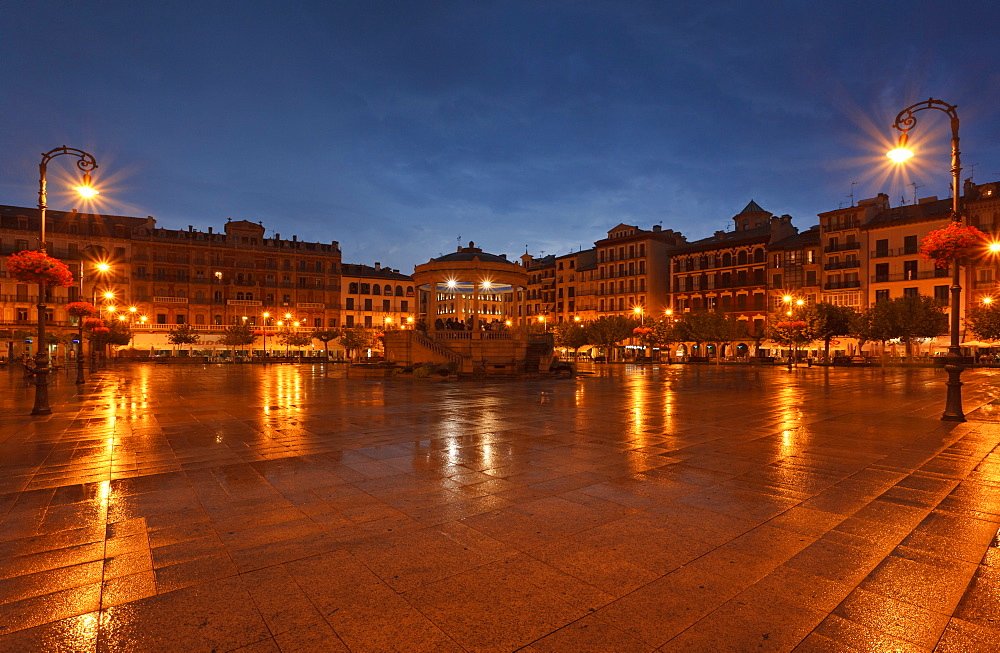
x,y
905,121
86,163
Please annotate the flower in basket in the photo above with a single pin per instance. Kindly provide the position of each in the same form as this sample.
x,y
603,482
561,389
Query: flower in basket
x,y
101,330
955,242
36,267
642,330
93,323
81,309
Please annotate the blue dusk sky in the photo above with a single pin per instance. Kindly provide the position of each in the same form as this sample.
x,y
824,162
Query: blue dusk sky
x,y
398,127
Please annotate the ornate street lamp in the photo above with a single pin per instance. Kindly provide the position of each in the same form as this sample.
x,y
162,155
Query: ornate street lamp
x,y
905,121
86,163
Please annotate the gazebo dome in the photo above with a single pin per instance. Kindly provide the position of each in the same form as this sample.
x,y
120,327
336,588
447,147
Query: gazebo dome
x,y
472,253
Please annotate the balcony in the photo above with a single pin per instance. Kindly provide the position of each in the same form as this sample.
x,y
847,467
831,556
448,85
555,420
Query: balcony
x,y
842,285
243,302
908,276
310,305
843,265
170,300
841,226
842,247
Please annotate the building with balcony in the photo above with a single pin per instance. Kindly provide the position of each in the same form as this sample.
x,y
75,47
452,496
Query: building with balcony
x,y
205,279
375,296
728,271
633,270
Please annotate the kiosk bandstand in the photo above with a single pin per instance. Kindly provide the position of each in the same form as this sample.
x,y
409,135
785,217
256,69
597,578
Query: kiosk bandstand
x,y
468,304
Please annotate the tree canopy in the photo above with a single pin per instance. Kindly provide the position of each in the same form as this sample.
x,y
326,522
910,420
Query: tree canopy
x,y
984,322
237,335
608,330
183,334
905,318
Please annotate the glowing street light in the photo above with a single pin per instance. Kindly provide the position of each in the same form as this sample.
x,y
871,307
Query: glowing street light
x,y
905,121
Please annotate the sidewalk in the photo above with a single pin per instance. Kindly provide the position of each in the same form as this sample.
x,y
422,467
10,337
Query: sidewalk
x,y
651,508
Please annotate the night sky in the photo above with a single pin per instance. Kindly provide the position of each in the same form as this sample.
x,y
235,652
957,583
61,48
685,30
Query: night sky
x,y
396,127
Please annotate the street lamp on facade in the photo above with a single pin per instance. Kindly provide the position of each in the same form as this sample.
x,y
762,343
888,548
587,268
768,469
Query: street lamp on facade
x,y
905,121
86,164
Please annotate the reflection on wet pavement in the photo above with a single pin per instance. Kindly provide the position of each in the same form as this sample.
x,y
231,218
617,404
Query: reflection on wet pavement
x,y
648,508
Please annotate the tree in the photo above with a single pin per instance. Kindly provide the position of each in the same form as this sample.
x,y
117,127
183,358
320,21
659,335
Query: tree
x,y
571,335
356,339
827,321
183,334
984,322
713,327
608,330
325,336
288,337
238,335
905,318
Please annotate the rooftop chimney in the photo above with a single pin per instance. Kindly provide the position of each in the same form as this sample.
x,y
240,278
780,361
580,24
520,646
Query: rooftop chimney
x,y
378,266
657,227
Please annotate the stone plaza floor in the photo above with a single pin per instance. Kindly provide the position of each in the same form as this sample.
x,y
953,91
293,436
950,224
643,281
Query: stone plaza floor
x,y
681,508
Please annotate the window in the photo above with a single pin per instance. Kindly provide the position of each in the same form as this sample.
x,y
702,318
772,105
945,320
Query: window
x,y
181,318
910,292
776,281
882,295
881,272
368,321
909,270
377,290
368,304
882,247
217,320
332,322
910,245
349,321
941,293
318,321
404,306
352,288
349,303
386,305
811,277
161,318
22,315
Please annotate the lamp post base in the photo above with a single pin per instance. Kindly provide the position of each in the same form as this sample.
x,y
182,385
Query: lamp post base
x,y
953,402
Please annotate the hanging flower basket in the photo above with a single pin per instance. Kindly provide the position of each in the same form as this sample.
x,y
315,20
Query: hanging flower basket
x,y
35,267
642,330
93,323
955,242
81,309
100,331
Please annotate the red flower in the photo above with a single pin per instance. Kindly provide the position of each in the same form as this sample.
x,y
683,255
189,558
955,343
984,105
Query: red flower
x,y
80,309
94,323
951,243
35,267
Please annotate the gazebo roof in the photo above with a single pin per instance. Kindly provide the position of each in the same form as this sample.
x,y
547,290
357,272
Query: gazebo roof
x,y
472,253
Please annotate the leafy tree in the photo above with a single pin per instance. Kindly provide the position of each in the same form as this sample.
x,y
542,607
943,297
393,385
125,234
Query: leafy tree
x,y
571,335
713,327
608,330
183,334
827,321
238,335
905,318
115,332
356,339
289,337
984,322
325,336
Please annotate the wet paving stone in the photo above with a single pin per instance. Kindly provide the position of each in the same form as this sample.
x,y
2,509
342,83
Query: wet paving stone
x,y
688,508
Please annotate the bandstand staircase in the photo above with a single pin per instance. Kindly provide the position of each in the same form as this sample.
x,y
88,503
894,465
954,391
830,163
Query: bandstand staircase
x,y
439,349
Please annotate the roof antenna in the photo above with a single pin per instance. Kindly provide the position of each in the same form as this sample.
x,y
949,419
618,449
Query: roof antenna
x,y
853,184
915,187
972,172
